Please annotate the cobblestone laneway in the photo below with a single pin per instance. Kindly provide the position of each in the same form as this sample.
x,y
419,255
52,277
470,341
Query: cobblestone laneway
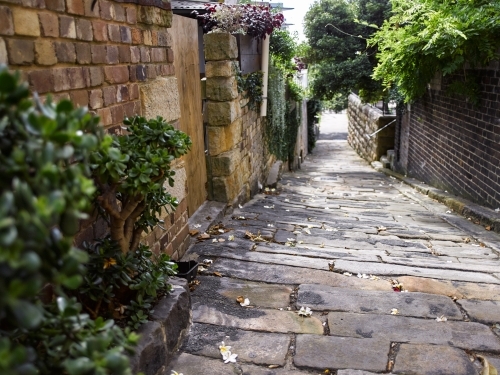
x,y
339,238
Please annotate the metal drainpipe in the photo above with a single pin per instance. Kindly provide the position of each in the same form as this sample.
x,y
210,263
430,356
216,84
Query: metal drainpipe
x,y
265,77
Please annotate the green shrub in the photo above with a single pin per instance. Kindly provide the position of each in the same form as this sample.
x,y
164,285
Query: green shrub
x,y
45,190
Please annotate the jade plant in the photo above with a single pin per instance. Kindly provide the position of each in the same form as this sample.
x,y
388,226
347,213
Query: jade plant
x,y
45,190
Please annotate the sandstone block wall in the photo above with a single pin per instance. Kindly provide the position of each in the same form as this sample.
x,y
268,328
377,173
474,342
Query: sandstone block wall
x,y
237,157
363,121
116,59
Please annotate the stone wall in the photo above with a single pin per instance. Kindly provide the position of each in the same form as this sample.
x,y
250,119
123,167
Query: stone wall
x,y
116,59
364,120
452,144
237,160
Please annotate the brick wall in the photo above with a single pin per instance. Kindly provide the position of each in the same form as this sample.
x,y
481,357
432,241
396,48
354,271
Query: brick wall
x,y
116,59
364,120
454,145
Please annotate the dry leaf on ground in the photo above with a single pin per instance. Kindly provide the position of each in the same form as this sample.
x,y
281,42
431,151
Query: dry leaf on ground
x,y
488,368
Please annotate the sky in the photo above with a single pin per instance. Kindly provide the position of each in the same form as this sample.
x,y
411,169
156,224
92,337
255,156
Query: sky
x,y
296,16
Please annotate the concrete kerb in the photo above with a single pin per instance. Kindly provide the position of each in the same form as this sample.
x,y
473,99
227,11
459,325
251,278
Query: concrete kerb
x,y
478,214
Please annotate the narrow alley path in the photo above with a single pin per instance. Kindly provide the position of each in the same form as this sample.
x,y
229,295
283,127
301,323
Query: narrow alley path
x,y
343,240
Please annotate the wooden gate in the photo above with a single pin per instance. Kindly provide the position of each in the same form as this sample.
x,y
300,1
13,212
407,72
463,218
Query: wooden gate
x,y
187,71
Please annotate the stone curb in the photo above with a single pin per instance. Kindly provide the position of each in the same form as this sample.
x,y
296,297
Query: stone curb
x,y
163,335
478,214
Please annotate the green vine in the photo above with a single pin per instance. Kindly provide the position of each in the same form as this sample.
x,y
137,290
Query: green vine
x,y
250,85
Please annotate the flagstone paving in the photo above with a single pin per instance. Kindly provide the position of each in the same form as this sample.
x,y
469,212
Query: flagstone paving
x,y
304,244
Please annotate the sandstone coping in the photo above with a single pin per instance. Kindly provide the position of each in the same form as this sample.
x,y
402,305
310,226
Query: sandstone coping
x,y
220,46
161,98
222,89
162,336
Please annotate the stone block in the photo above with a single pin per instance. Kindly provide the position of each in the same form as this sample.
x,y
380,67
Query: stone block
x,y
223,138
220,46
21,51
155,16
222,89
45,52
161,98
224,68
6,24
223,113
224,164
4,59
179,189
49,24
26,22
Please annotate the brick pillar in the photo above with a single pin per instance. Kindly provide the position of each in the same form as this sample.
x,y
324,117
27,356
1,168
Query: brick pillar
x,y
226,171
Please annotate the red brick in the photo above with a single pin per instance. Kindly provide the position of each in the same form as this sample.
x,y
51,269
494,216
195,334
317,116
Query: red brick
x,y
61,79
84,29
170,55
100,31
116,74
109,95
83,55
105,115
56,98
131,15
151,72
134,91
6,23
75,7
3,52
122,94
49,23
137,73
89,10
107,10
96,76
56,5
67,28
80,98
65,52
145,54
112,55
135,55
164,39
158,54
154,37
45,52
119,13
98,54
136,36
129,109
41,81
117,114
77,78
40,4
21,51
114,33
147,37
124,54
125,34
95,99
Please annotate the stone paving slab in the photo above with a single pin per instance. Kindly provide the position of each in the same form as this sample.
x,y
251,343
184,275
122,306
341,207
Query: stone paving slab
x,y
324,352
437,263
355,372
325,298
269,320
394,270
193,364
252,347
466,252
255,370
321,252
457,289
281,274
482,311
464,335
432,360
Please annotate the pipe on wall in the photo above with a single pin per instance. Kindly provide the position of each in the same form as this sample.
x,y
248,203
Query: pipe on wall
x,y
265,76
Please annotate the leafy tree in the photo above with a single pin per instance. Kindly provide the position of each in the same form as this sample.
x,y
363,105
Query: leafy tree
x,y
424,37
337,31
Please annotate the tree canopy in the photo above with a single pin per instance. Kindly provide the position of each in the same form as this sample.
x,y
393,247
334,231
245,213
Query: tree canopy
x,y
423,37
341,60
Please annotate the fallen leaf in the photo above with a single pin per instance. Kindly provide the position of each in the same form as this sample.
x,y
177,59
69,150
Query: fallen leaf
x,y
222,240
488,227
441,318
394,312
322,245
347,274
331,266
245,302
240,299
231,238
306,231
305,311
217,274
273,366
203,236
380,229
488,368
193,232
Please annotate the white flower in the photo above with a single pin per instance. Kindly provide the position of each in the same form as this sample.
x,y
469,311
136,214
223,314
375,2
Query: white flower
x,y
327,208
287,200
231,358
231,238
363,276
441,318
214,240
245,303
307,230
224,349
394,312
269,206
220,230
197,226
448,212
240,206
201,269
287,210
296,232
175,373
373,277
241,217
347,274
270,225
305,311
208,261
